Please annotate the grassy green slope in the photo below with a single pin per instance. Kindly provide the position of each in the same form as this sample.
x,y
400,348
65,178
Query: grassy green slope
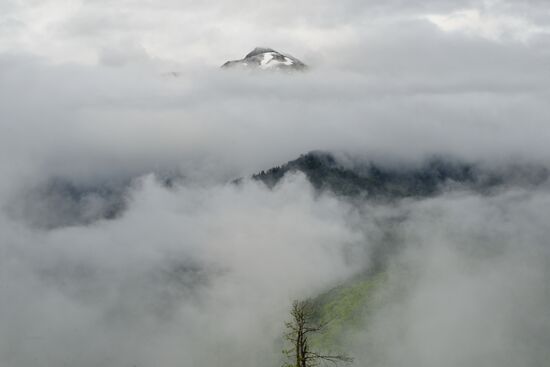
x,y
345,308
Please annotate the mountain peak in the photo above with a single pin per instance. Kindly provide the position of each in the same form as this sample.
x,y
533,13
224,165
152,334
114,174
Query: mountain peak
x,y
259,50
265,58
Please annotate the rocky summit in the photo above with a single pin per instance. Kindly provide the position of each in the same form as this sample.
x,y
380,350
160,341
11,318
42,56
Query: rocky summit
x,y
263,58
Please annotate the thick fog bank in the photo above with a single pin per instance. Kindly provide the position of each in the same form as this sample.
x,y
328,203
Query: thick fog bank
x,y
185,276
91,124
191,276
471,286
201,273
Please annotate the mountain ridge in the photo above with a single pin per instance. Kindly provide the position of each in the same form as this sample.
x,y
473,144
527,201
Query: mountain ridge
x,y
379,181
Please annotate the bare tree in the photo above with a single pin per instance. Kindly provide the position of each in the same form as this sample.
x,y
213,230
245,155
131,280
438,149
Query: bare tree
x,y
299,330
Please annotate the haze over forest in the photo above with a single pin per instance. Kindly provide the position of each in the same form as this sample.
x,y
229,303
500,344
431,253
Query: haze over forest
x,y
158,210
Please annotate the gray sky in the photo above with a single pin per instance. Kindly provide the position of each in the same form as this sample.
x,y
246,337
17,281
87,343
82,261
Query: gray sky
x,y
207,31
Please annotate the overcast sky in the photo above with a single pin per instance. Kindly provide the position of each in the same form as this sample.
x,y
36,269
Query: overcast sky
x,y
88,80
208,32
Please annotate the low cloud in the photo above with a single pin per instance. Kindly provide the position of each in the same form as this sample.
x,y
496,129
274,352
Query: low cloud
x,y
189,276
470,287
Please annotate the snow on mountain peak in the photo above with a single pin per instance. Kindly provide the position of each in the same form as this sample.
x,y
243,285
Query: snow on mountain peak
x,y
267,59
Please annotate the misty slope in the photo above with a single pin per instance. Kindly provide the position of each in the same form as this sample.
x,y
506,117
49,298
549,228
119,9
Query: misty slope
x,y
344,309
62,202
379,181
